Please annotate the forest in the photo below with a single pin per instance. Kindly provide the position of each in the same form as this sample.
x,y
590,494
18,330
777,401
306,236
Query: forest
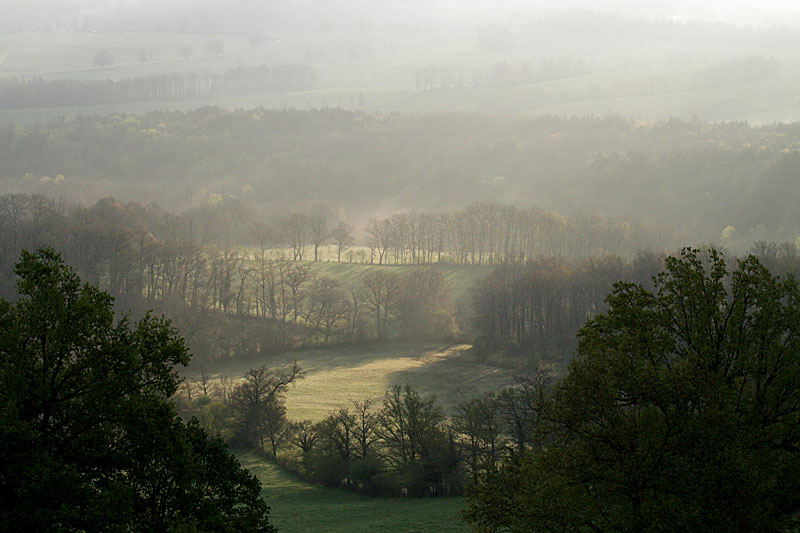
x,y
684,181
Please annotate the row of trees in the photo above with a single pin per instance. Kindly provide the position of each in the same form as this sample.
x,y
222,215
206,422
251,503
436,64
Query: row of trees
x,y
37,92
486,233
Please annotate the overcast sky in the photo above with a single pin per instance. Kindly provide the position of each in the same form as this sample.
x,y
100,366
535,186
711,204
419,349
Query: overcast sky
x,y
737,12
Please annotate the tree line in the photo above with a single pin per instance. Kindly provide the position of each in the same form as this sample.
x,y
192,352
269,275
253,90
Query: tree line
x,y
37,92
492,233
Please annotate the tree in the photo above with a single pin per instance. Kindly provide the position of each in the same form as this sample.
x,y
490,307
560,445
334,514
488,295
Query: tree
x,y
318,231
215,47
342,236
88,438
260,407
681,411
382,290
102,59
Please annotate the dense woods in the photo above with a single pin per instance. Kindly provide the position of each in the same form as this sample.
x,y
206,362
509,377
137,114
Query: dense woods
x,y
680,411
531,311
690,181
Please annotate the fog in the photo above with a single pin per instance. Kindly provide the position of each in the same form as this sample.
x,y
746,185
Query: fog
x,y
282,15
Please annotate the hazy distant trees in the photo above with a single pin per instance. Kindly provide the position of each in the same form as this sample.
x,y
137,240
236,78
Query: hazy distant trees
x,y
215,47
528,308
487,233
148,258
621,168
532,310
38,92
102,59
342,236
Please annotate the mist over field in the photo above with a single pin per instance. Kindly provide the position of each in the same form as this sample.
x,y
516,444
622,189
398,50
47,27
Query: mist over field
x,y
423,265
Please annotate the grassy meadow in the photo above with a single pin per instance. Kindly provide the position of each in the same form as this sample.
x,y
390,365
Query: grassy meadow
x,y
299,507
334,377
459,279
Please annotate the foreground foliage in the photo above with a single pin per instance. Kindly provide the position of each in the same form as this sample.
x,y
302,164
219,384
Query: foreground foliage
x,y
681,412
88,439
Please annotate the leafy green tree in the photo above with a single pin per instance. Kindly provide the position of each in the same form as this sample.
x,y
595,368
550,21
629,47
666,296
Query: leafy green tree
x,y
680,412
88,438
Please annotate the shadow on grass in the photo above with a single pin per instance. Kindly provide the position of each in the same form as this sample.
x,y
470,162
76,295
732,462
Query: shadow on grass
x,y
454,377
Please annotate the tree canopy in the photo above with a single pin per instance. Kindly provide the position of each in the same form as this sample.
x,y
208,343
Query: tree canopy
x,y
88,438
681,411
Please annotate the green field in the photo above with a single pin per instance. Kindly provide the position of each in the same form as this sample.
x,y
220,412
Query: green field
x,y
334,377
459,279
303,508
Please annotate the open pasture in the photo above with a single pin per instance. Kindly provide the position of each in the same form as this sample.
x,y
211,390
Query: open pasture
x,y
334,377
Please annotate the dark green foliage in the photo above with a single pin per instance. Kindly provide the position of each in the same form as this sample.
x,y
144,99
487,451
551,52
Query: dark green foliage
x,y
406,449
88,439
681,412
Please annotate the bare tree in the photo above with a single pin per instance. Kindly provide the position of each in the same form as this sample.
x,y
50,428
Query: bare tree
x,y
365,427
342,236
382,290
318,231
259,404
295,229
379,237
203,381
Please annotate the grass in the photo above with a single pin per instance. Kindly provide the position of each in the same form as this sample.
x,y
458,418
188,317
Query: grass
x,y
459,279
334,377
301,507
